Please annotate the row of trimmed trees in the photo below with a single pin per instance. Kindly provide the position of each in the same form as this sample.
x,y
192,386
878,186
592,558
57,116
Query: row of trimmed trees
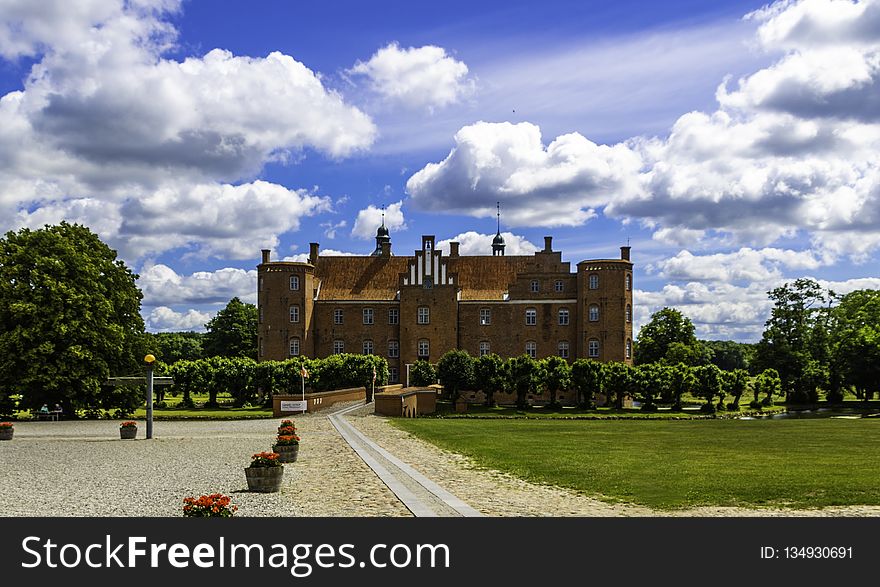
x,y
651,384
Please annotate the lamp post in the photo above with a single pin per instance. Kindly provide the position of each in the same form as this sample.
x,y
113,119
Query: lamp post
x,y
149,359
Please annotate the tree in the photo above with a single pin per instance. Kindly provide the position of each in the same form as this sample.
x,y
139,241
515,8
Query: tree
x,y
794,340
769,383
232,332
618,381
490,376
695,354
681,380
735,383
666,326
709,386
587,376
422,374
455,369
648,381
557,377
69,317
729,355
170,347
525,377
855,344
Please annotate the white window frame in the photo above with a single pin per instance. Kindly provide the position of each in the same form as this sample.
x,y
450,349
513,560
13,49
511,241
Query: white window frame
x,y
294,283
535,286
425,344
532,349
485,348
629,282
629,314
564,316
629,348
367,347
563,349
531,317
293,347
294,313
594,281
485,316
368,316
593,348
559,286
593,315
338,346
338,316
423,315
392,375
393,315
393,349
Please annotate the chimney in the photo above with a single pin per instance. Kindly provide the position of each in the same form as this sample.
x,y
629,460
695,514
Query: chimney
x,y
313,252
386,249
266,255
548,244
453,249
624,253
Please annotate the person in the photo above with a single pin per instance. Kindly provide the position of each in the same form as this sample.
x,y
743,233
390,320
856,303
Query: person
x,y
57,411
44,409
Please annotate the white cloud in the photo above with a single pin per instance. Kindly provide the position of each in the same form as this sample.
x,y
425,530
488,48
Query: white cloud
x,y
474,243
304,257
105,122
416,77
370,219
556,185
746,264
162,286
330,228
164,319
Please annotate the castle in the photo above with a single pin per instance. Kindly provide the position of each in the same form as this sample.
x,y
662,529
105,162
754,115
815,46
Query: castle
x,y
419,306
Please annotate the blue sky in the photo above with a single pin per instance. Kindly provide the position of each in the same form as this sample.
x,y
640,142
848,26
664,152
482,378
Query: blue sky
x,y
732,144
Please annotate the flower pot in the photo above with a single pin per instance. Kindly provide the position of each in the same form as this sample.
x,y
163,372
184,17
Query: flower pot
x,y
286,452
128,432
264,479
6,433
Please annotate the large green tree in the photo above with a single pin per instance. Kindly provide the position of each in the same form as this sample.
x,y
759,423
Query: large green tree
x,y
855,344
490,376
557,377
667,326
455,369
795,340
525,376
69,318
170,347
588,377
232,332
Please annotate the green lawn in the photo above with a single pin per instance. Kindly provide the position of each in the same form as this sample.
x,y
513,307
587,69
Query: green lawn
x,y
445,410
677,464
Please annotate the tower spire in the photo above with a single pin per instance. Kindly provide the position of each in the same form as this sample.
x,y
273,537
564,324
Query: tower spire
x,y
498,241
498,214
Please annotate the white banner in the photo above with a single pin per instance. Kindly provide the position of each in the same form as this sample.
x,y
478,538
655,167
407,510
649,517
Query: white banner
x,y
293,406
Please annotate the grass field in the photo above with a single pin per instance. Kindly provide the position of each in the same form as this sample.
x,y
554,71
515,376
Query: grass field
x,y
677,464
446,410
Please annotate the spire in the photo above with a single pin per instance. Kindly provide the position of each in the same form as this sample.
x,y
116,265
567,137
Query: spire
x,y
382,236
498,241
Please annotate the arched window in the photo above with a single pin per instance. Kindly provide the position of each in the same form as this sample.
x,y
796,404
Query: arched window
x,y
629,282
535,286
593,348
531,317
532,349
629,349
629,317
594,313
594,281
563,317
559,286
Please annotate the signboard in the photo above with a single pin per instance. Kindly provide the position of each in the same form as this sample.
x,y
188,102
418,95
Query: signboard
x,y
293,406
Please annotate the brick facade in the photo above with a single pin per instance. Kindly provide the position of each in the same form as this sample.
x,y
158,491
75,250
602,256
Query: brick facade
x,y
431,302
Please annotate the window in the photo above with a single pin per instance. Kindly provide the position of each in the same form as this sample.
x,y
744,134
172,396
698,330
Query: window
x,y
294,282
563,349
294,347
563,317
532,349
485,316
531,317
593,348
368,315
628,314
594,313
427,283
594,281
392,374
393,349
559,286
424,349
535,286
393,315
629,349
424,315
629,282
484,348
367,347
261,314
338,347
294,313
337,316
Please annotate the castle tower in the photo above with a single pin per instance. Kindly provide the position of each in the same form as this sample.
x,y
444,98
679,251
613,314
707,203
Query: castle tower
x,y
383,240
498,241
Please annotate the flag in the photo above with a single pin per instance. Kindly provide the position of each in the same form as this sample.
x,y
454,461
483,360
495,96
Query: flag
x,y
303,372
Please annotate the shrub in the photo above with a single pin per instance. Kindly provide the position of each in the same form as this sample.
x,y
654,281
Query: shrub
x,y
265,459
421,374
287,440
128,425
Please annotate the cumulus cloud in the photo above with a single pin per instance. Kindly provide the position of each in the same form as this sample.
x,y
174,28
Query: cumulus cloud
x,y
474,243
304,257
791,150
163,286
744,265
164,319
416,77
370,218
105,122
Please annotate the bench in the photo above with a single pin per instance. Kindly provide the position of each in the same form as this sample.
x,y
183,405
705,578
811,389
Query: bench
x,y
54,415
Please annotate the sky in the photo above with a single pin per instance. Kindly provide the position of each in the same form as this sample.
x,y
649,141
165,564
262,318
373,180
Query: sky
x,y
733,145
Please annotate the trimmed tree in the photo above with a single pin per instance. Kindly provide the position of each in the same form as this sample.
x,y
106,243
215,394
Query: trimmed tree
x,y
491,376
736,383
557,377
525,377
708,386
422,374
681,380
588,377
455,369
619,381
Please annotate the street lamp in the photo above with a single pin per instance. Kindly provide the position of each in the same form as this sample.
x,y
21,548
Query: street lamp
x,y
149,360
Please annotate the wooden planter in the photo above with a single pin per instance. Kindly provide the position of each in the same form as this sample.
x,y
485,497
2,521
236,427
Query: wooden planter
x,y
286,453
264,479
128,433
6,433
